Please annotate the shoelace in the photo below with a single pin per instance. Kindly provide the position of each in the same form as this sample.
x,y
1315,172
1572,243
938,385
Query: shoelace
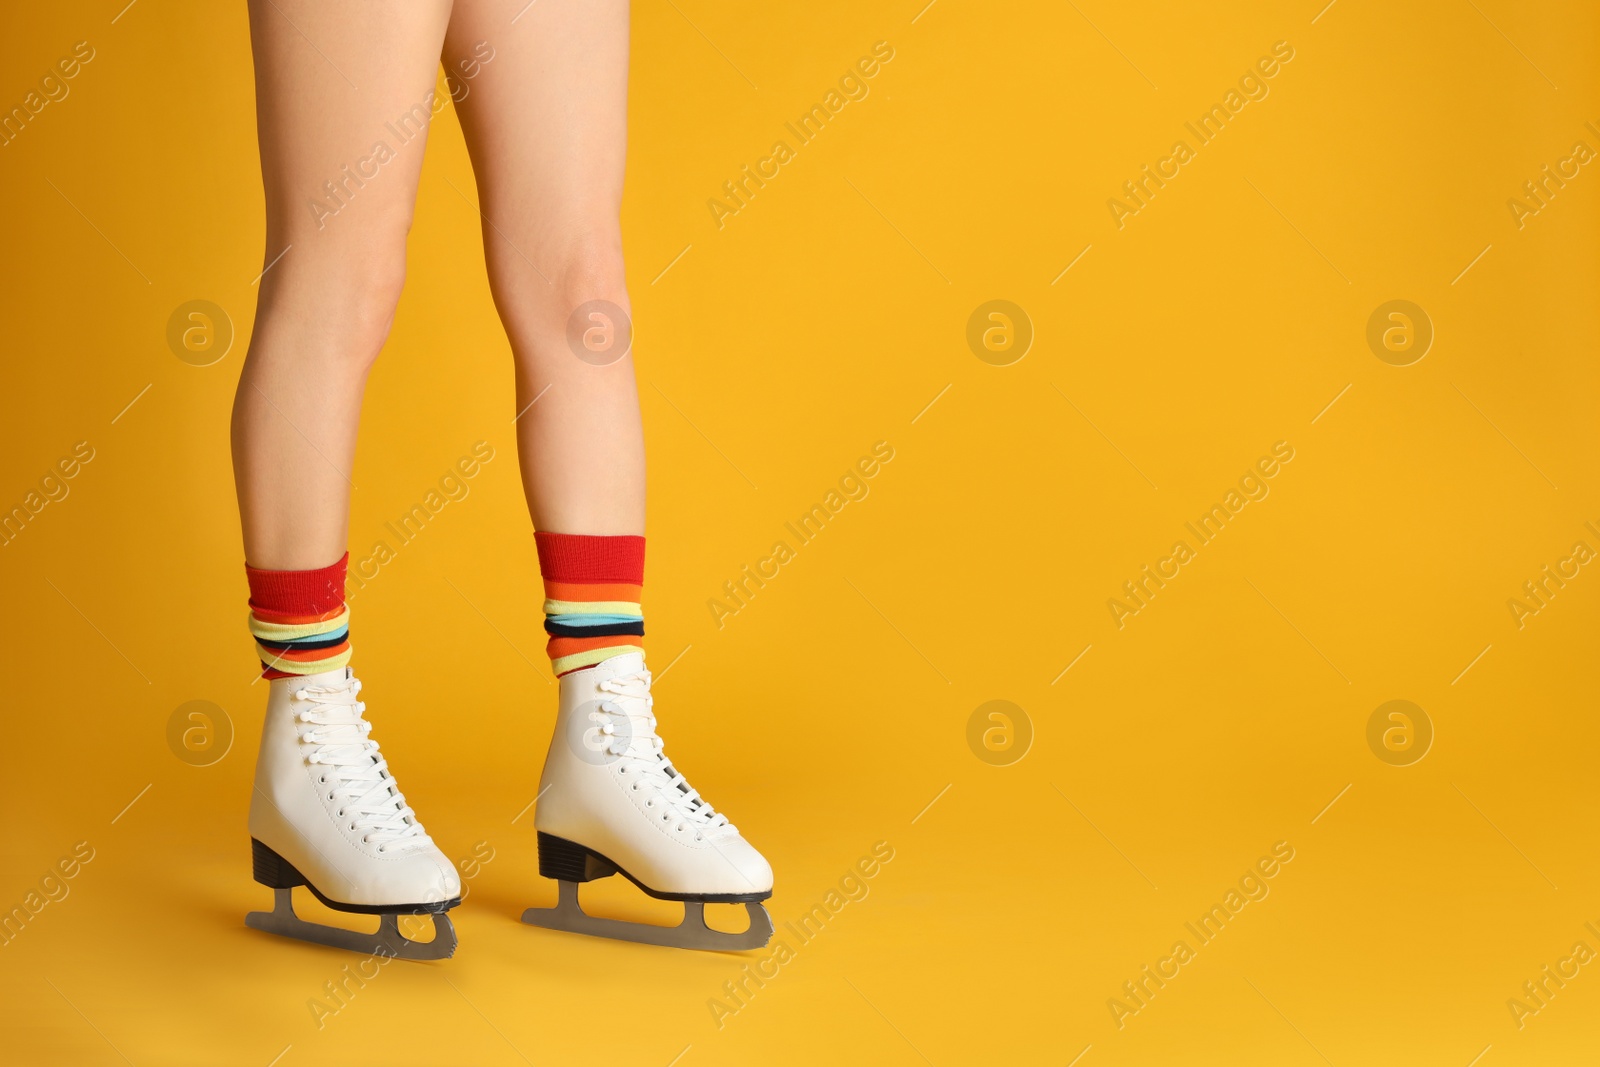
x,y
670,791
356,776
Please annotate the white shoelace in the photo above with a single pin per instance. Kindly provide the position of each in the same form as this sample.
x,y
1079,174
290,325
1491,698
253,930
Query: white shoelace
x,y
671,794
335,738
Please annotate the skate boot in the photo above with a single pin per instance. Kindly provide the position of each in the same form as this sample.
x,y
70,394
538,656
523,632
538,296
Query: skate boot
x,y
326,814
612,803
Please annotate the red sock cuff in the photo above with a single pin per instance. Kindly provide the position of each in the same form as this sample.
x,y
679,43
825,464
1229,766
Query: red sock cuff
x,y
590,558
297,593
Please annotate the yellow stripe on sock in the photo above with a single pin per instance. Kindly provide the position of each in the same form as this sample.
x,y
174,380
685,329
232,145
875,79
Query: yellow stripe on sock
x,y
594,607
281,631
590,658
289,666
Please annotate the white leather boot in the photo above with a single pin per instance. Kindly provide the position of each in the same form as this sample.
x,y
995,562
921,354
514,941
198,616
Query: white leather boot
x,y
327,814
610,801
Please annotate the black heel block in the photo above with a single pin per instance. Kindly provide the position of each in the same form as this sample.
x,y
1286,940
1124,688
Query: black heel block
x,y
567,861
271,869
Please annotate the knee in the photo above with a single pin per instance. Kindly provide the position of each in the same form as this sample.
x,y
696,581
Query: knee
x,y
591,310
339,307
598,328
577,300
592,271
373,294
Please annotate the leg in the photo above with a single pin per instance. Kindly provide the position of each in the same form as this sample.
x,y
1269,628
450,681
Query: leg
x,y
343,99
545,121
325,307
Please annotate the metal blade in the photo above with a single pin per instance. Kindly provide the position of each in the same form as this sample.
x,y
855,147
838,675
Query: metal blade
x,y
387,941
692,932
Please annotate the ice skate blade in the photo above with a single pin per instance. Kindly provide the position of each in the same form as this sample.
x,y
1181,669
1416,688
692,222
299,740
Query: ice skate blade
x,y
692,932
388,941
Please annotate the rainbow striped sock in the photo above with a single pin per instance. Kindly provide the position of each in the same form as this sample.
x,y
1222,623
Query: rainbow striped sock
x,y
591,589
299,620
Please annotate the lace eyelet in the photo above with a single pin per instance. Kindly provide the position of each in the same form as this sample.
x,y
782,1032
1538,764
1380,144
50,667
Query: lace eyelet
x,y
649,803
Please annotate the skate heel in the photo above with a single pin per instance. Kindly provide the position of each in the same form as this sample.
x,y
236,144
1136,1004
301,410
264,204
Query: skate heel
x,y
567,861
271,869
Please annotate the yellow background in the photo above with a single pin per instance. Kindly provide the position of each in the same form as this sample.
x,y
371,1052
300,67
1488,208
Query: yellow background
x,y
829,713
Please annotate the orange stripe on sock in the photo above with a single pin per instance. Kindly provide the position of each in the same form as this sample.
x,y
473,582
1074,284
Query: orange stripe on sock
x,y
310,655
592,591
567,646
286,618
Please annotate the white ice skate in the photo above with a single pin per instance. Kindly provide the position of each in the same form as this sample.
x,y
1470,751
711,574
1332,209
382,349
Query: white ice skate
x,y
326,814
610,802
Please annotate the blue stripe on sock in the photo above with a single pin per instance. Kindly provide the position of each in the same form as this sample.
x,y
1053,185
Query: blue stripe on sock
x,y
590,620
333,637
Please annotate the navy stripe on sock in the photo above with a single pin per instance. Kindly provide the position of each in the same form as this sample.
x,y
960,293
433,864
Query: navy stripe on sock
x,y
303,646
610,629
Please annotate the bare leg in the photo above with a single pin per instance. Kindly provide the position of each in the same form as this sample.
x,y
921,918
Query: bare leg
x,y
545,120
344,97
333,83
